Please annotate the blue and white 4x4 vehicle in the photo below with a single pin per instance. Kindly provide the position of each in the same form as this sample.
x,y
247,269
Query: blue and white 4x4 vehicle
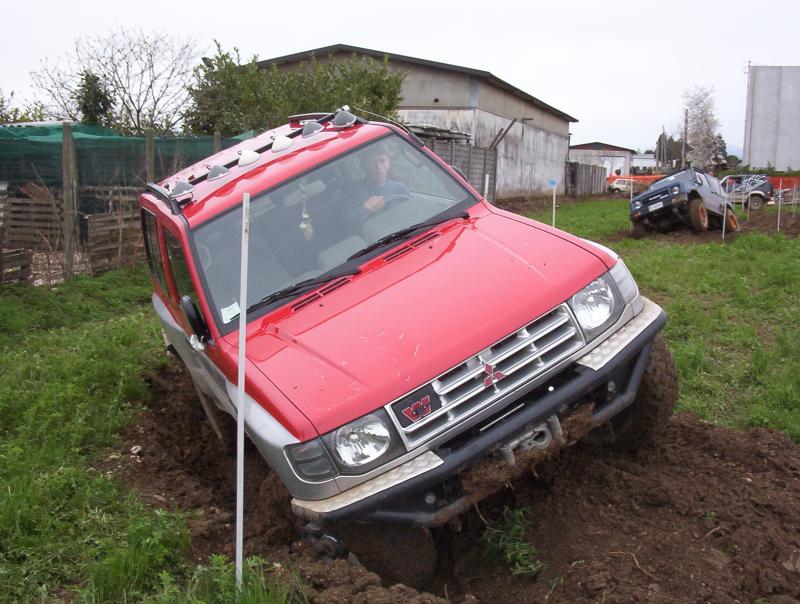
x,y
687,197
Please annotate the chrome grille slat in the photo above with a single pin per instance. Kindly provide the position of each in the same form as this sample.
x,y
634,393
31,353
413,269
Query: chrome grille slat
x,y
523,356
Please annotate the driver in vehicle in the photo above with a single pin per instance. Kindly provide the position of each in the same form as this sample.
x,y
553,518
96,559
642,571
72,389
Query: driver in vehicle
x,y
376,188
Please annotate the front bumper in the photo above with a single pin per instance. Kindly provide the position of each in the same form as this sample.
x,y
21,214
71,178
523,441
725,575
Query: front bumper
x,y
426,490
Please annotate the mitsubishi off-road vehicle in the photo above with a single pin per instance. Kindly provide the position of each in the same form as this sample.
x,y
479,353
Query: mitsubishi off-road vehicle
x,y
688,197
409,346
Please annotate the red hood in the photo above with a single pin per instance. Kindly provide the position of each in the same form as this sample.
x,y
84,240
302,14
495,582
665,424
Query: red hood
x,y
393,328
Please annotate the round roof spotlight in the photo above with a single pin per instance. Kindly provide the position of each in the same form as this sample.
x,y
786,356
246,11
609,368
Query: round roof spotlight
x,y
181,188
216,171
281,143
344,119
311,128
247,157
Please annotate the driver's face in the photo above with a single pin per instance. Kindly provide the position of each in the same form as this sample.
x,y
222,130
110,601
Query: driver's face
x,y
378,167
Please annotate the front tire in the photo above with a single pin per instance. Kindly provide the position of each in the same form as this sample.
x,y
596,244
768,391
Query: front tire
x,y
638,425
698,215
732,223
755,202
639,230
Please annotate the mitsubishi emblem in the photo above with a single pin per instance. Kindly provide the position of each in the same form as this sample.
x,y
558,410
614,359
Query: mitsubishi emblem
x,y
492,376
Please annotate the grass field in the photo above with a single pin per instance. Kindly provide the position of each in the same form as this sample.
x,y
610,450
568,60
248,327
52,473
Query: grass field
x,y
734,314
74,364
75,360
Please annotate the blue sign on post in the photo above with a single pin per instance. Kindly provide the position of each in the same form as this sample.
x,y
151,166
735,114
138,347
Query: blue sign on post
x,y
553,182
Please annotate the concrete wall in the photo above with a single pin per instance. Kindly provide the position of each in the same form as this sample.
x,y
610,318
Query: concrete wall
x,y
528,157
503,103
610,160
424,87
772,121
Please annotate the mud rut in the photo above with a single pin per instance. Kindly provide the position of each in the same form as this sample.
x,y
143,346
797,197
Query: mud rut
x,y
706,515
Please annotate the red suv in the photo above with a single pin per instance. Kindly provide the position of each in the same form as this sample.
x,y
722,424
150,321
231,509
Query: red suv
x,y
402,333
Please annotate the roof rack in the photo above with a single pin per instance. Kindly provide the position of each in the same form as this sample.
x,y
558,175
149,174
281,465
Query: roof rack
x,y
176,201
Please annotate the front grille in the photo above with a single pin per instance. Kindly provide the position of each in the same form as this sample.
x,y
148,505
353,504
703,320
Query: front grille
x,y
521,357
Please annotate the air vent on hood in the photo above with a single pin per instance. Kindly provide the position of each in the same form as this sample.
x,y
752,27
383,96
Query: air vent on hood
x,y
320,293
410,246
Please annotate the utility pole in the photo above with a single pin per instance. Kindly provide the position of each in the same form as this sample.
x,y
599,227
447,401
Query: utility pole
x,y
685,136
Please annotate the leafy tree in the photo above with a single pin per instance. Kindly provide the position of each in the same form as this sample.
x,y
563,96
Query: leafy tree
x,y
94,100
703,126
10,114
231,96
732,160
145,75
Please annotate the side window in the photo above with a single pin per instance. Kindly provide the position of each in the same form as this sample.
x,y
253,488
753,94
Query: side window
x,y
150,231
177,264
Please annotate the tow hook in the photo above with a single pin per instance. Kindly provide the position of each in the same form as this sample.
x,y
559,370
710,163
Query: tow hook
x,y
538,436
322,542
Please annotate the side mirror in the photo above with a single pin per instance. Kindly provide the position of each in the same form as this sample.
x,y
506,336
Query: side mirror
x,y
460,172
196,322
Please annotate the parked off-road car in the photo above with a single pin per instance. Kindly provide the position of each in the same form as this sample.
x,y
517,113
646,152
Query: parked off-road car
x,y
688,197
410,347
756,189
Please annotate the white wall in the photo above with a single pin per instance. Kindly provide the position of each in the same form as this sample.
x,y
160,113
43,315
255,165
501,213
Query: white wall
x,y
772,121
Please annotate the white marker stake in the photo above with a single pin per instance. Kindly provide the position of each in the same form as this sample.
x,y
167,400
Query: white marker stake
x,y
724,219
241,409
554,183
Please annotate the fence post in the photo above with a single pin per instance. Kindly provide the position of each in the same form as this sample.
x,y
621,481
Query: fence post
x,y
69,188
217,141
149,159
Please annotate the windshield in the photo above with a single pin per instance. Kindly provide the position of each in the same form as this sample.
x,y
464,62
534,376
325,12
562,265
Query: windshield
x,y
310,226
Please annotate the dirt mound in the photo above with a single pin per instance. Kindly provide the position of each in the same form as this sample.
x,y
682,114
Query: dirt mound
x,y
706,515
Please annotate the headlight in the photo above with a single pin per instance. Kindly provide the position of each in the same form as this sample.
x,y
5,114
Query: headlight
x,y
364,443
636,205
676,189
596,306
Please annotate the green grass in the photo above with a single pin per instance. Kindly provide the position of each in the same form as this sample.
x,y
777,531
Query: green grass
x,y
74,363
734,315
505,541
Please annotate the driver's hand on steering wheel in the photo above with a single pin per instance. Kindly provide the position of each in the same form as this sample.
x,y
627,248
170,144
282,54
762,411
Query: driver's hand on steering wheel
x,y
374,203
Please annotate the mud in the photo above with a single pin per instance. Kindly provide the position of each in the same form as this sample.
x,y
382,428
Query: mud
x,y
705,515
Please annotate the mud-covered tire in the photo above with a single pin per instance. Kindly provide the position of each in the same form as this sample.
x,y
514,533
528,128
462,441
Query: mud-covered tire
x,y
639,230
698,215
732,224
755,202
637,425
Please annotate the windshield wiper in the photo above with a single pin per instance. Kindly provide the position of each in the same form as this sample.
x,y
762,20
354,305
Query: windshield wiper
x,y
407,232
300,286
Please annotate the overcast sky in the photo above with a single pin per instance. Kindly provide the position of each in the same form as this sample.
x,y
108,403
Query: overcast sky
x,y
620,67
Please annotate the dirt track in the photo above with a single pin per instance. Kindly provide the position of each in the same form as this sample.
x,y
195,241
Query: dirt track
x,y
707,515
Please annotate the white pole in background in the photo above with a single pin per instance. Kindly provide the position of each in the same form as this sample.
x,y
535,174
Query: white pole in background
x,y
780,199
241,409
554,183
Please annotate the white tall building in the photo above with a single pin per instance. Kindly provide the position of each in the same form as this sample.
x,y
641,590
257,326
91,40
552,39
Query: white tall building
x,y
772,122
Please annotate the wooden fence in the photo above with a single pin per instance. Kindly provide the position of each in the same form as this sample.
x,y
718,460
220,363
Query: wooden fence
x,y
583,179
114,240
15,266
32,223
474,162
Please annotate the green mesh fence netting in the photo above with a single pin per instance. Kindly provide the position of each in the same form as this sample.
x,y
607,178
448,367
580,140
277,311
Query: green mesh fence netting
x,y
105,159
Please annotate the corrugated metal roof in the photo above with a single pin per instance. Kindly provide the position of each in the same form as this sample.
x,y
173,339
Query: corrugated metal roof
x,y
598,146
478,73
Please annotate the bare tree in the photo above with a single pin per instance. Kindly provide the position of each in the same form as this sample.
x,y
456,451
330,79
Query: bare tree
x,y
703,126
147,75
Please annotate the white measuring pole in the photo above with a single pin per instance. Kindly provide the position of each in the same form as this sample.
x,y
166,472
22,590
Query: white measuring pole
x,y
780,202
241,409
554,184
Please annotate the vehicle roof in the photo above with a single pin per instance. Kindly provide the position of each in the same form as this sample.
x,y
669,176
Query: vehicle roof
x,y
211,198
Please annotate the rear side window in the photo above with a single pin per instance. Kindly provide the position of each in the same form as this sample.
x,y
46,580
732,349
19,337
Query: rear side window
x,y
150,231
177,263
